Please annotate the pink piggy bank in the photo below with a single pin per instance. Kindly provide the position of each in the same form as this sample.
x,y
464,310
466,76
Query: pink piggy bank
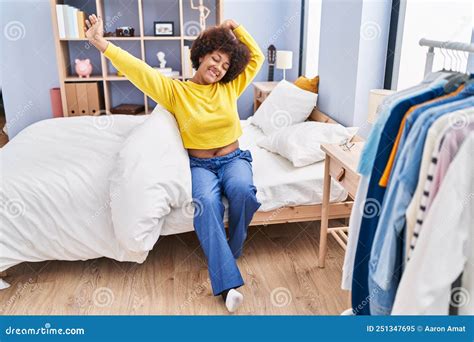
x,y
83,67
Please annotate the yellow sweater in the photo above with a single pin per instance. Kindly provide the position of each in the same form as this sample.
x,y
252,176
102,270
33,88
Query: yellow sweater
x,y
206,114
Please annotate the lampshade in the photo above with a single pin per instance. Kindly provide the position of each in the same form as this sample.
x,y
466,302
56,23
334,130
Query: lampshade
x,y
376,97
284,59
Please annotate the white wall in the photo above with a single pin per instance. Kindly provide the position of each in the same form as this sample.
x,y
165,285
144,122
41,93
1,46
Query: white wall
x,y
352,52
311,37
432,19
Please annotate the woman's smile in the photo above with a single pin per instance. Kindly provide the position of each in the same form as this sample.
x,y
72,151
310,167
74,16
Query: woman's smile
x,y
214,73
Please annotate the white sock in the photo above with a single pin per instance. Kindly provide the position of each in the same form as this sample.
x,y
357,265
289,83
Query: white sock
x,y
234,300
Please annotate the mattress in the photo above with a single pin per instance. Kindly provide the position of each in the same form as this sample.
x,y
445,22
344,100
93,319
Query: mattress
x,y
278,183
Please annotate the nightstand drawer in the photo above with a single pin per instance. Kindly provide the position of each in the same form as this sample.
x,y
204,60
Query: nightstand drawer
x,y
347,178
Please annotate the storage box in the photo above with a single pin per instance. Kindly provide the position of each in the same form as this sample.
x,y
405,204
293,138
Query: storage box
x,y
84,98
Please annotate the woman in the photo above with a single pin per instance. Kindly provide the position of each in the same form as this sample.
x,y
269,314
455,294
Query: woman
x,y
226,59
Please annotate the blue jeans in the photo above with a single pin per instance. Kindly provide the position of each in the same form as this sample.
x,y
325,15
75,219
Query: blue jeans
x,y
230,175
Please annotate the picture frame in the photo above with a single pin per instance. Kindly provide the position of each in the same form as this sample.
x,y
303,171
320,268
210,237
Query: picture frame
x,y
163,28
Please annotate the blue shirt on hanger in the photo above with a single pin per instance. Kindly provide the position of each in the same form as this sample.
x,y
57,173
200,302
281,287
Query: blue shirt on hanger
x,y
387,249
375,193
368,153
417,112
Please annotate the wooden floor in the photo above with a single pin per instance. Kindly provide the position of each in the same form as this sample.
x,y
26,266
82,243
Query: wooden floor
x,y
279,266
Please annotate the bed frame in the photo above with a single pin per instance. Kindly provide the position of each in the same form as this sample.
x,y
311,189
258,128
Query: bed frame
x,y
302,213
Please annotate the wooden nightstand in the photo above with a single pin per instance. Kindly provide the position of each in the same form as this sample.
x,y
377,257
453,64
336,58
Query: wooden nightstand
x,y
261,90
341,165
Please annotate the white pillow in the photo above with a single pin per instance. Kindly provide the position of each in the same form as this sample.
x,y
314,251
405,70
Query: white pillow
x,y
286,105
301,143
151,176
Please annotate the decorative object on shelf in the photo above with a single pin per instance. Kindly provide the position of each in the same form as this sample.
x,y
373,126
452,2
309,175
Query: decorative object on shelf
x,y
188,71
168,72
164,28
83,67
161,59
203,13
284,60
128,108
375,98
163,69
271,52
56,104
125,31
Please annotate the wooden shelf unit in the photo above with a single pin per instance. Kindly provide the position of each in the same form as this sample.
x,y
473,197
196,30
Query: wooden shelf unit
x,y
63,54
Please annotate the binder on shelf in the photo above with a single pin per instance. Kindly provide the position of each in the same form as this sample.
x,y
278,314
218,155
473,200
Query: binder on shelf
x,y
60,17
67,30
188,71
81,93
71,99
73,18
81,17
94,99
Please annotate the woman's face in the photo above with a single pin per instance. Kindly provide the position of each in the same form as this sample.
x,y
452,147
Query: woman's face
x,y
213,66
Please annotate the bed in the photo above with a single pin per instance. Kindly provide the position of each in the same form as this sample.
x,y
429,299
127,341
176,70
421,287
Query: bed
x,y
54,191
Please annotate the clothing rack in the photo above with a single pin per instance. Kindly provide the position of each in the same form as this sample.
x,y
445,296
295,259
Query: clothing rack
x,y
444,45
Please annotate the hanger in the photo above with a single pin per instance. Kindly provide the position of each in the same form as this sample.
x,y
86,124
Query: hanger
x,y
457,78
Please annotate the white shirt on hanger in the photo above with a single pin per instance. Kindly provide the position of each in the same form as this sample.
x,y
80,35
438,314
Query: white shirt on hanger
x,y
445,247
437,130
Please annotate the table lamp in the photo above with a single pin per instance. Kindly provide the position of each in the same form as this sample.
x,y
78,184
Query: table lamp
x,y
376,97
284,60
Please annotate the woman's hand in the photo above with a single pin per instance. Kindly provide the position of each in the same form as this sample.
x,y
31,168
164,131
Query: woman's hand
x,y
94,31
230,24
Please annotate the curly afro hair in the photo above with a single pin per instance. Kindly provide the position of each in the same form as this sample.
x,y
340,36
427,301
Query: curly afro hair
x,y
221,39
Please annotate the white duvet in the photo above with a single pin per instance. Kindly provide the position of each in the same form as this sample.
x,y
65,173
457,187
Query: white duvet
x,y
55,200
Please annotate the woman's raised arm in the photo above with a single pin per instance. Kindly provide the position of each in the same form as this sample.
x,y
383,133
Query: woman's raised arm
x,y
144,77
256,56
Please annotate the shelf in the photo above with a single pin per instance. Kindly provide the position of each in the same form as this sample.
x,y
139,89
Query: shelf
x,y
161,38
141,15
122,38
83,79
116,78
